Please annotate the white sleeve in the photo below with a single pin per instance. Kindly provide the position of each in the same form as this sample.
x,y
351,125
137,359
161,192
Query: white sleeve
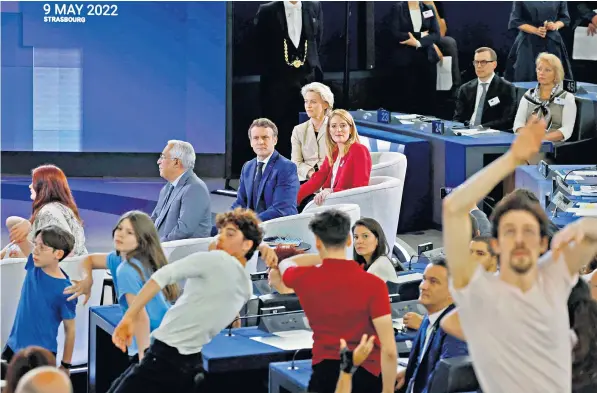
x,y
556,274
195,265
521,115
474,297
568,116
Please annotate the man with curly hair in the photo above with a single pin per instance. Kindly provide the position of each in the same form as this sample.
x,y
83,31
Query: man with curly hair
x,y
217,286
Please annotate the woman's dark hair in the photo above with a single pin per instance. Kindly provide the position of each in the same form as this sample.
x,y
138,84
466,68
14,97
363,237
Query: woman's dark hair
x,y
149,249
24,361
382,244
582,311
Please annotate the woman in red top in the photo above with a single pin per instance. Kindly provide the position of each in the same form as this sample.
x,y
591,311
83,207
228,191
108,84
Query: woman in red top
x,y
347,165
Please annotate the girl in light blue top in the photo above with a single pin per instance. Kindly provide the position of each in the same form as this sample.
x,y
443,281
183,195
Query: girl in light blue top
x,y
138,254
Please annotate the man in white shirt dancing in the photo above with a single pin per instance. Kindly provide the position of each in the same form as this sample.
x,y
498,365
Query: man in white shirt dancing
x,y
516,322
217,287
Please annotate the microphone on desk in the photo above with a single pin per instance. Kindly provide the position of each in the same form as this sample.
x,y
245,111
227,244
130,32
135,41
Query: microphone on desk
x,y
587,168
292,367
229,334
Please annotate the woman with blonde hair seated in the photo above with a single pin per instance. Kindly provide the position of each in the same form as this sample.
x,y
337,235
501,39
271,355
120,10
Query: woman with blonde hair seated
x,y
347,164
549,101
308,138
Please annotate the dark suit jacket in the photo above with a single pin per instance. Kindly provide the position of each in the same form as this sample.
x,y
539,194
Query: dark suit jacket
x,y
271,30
187,214
277,190
441,346
402,25
500,116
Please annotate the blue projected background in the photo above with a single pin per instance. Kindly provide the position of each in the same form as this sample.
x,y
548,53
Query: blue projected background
x,y
115,83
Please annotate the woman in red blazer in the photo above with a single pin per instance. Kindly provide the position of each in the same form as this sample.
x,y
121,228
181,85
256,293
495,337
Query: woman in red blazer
x,y
347,165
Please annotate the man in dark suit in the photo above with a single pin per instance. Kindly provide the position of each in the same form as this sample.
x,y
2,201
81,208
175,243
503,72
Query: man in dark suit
x,y
269,183
489,100
432,343
183,210
288,37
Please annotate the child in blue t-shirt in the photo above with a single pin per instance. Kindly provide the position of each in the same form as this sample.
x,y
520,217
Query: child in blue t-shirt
x,y
43,304
138,254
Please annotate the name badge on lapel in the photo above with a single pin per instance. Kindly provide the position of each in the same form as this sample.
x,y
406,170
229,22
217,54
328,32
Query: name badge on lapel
x,y
427,14
494,101
559,101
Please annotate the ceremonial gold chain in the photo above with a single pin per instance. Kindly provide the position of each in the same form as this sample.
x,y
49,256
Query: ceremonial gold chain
x,y
296,63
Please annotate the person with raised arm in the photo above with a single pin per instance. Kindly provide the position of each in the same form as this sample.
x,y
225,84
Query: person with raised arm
x,y
512,321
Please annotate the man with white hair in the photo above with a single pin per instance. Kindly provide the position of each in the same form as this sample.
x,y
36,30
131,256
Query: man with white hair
x,y
183,210
45,380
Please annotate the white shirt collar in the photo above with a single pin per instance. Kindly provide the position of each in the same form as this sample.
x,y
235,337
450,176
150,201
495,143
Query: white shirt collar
x,y
488,80
266,160
290,7
433,317
175,182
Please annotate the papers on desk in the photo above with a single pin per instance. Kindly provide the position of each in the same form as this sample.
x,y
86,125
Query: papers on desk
x,y
402,364
584,210
398,323
588,189
407,117
473,131
289,341
585,46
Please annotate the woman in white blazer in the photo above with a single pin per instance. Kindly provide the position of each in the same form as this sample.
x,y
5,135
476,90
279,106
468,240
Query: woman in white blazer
x,y
308,138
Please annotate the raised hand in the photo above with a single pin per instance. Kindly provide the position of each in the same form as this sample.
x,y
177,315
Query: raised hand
x,y
529,139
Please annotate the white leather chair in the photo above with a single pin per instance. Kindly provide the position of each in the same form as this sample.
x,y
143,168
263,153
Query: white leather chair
x,y
392,164
298,225
178,249
380,200
12,274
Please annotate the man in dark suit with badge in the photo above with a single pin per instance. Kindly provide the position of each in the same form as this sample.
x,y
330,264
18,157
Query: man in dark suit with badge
x,y
488,101
288,37
432,343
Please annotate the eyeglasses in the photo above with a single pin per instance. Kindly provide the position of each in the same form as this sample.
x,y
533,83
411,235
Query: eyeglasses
x,y
482,63
163,157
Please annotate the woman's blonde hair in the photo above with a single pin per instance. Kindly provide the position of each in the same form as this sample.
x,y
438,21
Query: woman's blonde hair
x,y
353,137
324,92
555,62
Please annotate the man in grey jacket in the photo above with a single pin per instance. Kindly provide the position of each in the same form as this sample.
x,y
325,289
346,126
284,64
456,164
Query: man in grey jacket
x,y
183,210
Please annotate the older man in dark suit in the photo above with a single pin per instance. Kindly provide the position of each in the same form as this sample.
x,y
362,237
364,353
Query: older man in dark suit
x,y
288,37
488,101
183,210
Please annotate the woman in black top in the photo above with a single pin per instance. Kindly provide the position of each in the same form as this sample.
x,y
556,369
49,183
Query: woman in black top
x,y
538,24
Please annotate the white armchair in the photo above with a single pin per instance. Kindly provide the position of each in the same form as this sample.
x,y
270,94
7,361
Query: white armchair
x,y
298,225
178,249
12,273
380,200
392,164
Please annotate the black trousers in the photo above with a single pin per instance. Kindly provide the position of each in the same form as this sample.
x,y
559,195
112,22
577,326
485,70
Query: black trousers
x,y
162,370
325,377
415,86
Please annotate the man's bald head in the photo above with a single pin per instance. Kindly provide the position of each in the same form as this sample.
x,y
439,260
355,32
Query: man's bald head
x,y
45,380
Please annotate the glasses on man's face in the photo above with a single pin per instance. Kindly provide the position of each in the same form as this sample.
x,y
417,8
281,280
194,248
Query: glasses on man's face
x,y
482,63
163,157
